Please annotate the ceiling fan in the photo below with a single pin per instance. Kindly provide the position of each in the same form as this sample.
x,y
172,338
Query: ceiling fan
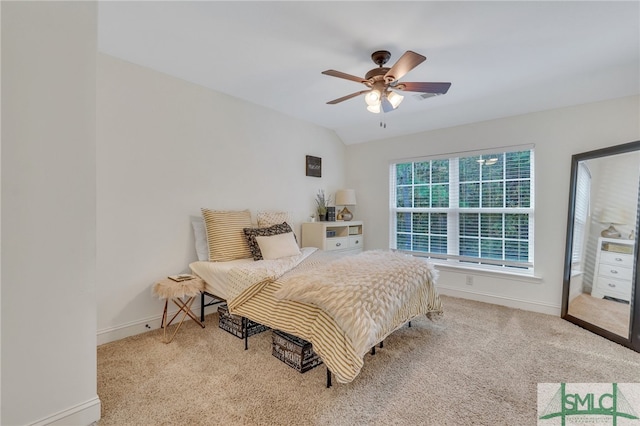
x,y
382,82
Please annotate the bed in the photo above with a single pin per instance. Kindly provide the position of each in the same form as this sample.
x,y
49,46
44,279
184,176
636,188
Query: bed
x,y
216,279
343,305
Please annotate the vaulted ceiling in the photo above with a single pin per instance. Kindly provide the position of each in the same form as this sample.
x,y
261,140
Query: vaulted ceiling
x,y
503,58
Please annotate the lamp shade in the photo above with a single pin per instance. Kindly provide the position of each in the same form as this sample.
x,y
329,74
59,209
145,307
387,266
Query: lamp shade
x,y
614,216
372,98
394,98
346,197
374,108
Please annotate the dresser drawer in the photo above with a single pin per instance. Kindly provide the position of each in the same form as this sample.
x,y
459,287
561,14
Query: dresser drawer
x,y
619,259
342,236
337,243
614,271
614,288
355,241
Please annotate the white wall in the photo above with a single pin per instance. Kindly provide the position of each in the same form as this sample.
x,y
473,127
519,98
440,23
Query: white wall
x,y
166,148
48,213
557,134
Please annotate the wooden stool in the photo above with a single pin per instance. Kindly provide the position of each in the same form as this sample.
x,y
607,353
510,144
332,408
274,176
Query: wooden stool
x,y
169,289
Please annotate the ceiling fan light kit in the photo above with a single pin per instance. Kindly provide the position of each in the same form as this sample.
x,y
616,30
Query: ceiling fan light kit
x,y
380,80
394,98
388,101
372,98
374,108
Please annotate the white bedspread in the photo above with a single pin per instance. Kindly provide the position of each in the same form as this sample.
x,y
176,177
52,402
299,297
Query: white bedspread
x,y
367,294
216,274
343,305
246,275
228,279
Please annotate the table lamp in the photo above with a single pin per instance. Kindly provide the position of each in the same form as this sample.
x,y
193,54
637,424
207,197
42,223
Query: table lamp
x,y
612,217
345,197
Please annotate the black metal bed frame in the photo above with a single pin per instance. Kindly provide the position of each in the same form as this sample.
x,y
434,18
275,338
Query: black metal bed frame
x,y
245,331
214,301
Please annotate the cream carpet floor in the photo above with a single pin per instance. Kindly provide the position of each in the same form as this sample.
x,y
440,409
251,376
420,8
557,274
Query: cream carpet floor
x,y
479,364
607,314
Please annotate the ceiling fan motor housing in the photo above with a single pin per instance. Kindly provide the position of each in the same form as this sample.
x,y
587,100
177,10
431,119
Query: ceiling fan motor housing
x,y
379,57
376,72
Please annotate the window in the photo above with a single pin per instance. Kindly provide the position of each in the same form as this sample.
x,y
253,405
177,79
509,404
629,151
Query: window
x,y
583,201
471,210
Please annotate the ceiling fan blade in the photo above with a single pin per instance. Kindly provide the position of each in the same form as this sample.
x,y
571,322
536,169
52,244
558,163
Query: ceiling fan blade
x,y
406,63
437,88
344,98
339,74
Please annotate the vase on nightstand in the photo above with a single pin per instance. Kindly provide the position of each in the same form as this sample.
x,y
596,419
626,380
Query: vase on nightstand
x,y
345,214
610,232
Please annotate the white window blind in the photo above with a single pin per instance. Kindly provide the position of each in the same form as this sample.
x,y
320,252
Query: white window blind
x,y
474,209
582,206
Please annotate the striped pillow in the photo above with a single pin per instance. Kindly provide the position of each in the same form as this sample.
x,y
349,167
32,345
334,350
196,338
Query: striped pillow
x,y
225,236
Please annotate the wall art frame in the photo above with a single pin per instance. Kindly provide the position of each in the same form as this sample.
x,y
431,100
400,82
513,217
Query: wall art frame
x,y
313,166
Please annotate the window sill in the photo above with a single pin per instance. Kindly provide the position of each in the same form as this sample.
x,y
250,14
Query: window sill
x,y
447,266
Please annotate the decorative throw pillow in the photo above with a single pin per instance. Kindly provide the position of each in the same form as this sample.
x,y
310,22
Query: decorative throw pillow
x,y
278,246
268,218
200,234
252,233
224,234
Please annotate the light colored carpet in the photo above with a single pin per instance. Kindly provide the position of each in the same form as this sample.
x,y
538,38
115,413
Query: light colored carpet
x,y
607,314
479,364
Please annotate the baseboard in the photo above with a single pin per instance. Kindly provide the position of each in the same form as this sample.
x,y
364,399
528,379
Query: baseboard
x,y
527,305
143,325
81,415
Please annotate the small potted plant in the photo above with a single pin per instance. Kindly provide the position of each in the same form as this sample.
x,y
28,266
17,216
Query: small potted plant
x,y
322,202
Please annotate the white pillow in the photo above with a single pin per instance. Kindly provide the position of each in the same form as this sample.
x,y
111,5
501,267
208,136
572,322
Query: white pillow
x,y
277,246
200,234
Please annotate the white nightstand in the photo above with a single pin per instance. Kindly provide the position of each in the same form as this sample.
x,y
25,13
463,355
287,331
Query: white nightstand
x,y
343,236
613,273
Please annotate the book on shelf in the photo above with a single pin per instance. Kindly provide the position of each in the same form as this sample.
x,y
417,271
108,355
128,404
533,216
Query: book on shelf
x,y
181,277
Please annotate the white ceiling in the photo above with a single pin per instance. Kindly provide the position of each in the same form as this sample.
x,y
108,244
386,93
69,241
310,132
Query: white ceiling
x,y
503,58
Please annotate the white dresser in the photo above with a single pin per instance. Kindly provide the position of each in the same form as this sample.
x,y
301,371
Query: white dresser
x,y
613,274
345,236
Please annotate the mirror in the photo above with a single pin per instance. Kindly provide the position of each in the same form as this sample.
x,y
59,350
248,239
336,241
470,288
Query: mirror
x,y
600,290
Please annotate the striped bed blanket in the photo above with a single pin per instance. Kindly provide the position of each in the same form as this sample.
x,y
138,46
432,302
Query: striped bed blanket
x,y
343,305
